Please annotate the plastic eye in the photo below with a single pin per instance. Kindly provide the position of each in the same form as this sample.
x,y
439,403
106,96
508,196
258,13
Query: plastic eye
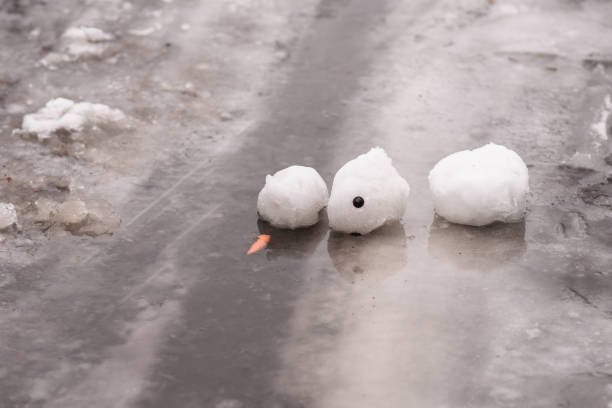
x,y
358,202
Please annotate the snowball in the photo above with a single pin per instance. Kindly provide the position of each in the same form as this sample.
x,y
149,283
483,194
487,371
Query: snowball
x,y
478,187
367,193
64,114
292,197
8,215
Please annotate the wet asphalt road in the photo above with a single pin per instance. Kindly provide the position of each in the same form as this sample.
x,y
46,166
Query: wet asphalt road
x,y
170,312
221,316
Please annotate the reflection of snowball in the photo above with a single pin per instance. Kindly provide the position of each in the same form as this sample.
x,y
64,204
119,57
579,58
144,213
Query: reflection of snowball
x,y
8,215
292,197
480,186
367,193
64,114
370,259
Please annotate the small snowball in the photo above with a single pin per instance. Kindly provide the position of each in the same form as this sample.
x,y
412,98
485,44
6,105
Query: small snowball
x,y
366,194
292,197
8,215
64,114
478,187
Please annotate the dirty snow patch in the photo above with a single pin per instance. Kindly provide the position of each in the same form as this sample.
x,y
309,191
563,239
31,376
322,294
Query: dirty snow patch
x,y
8,215
580,160
65,114
79,43
80,216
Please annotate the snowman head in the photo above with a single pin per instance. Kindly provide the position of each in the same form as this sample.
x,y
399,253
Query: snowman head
x,y
367,192
292,197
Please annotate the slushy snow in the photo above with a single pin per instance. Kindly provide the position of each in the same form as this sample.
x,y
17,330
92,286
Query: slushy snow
x,y
478,187
292,197
8,215
604,126
65,114
367,193
79,43
85,41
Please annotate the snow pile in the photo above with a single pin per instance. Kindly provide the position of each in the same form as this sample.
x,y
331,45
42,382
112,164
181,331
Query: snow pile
x,y
367,193
67,115
81,217
84,42
8,215
79,43
292,197
603,127
478,187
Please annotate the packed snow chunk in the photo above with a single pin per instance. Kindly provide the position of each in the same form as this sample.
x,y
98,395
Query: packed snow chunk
x,y
71,212
478,187
366,194
8,215
292,197
45,209
603,128
85,217
84,42
67,115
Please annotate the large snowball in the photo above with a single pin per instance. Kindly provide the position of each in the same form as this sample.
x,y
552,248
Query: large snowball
x,y
478,187
292,197
367,193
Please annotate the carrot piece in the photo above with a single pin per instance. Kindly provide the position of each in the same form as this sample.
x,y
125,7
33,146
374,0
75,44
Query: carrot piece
x,y
260,244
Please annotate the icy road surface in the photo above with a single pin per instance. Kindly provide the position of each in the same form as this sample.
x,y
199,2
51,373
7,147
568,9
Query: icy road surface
x,y
169,312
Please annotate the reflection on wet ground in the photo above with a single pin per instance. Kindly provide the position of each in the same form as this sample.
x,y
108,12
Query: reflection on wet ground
x,y
298,243
480,248
370,258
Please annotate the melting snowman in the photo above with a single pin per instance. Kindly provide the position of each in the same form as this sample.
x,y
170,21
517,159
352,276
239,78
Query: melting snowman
x,y
367,193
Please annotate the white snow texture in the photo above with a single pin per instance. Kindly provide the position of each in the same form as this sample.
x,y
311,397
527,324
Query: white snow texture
x,y
8,215
85,42
383,193
292,197
478,187
62,113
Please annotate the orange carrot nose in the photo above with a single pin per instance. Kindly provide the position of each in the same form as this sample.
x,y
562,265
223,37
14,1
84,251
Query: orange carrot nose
x,y
260,244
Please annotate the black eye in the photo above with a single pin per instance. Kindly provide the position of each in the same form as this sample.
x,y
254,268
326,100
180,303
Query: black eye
x,y
358,202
